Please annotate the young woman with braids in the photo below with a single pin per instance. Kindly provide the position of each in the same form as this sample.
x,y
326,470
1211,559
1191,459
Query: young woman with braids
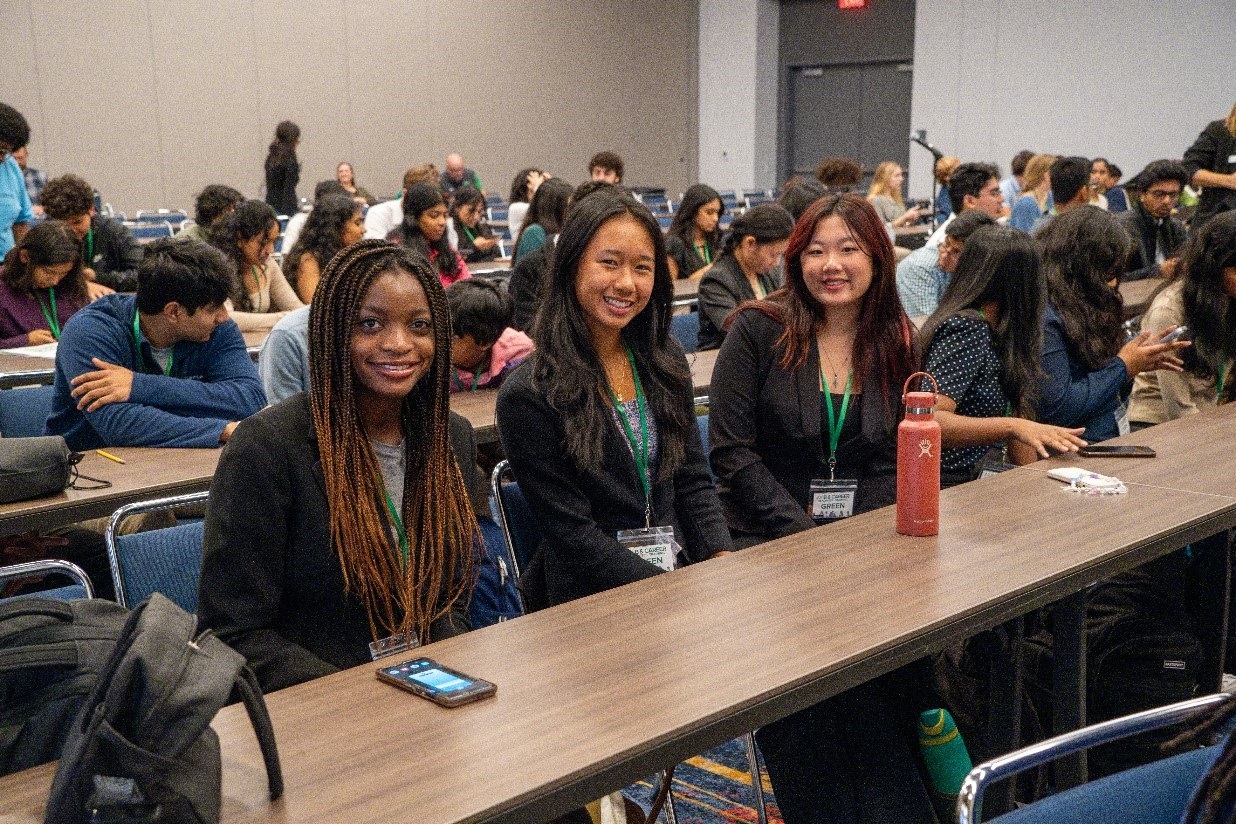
x,y
335,223
982,346
1203,297
340,517
424,229
261,295
1085,359
598,423
808,377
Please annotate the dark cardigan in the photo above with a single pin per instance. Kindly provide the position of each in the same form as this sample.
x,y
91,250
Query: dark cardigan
x,y
765,434
271,583
579,510
722,289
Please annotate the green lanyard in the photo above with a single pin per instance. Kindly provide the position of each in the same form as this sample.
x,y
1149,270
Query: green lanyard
x,y
759,291
1218,388
398,522
53,319
476,379
468,232
704,252
257,278
90,248
834,424
638,449
137,344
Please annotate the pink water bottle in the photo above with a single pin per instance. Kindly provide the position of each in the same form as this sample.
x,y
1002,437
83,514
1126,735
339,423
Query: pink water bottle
x,y
918,462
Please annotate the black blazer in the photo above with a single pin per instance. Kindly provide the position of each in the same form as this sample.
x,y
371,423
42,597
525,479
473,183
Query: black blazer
x,y
579,510
722,288
766,439
271,583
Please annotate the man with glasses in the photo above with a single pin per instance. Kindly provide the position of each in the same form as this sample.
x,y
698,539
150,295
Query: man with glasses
x,y
15,209
1158,236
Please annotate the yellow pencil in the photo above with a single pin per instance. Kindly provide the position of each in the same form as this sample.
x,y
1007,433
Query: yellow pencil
x,y
110,456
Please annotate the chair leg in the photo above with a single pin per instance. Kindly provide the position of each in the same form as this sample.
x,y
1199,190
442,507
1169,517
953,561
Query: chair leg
x,y
671,815
757,784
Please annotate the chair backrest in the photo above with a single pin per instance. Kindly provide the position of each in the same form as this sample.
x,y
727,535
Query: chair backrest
x,y
81,588
146,231
514,516
165,560
175,217
970,799
24,411
686,330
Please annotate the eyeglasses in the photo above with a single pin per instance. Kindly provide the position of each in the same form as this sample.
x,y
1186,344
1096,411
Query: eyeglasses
x,y
1163,194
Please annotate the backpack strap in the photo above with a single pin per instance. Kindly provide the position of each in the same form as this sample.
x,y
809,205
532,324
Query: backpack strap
x,y
255,705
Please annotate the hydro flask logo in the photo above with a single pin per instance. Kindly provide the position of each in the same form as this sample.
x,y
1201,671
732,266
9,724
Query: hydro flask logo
x,y
924,448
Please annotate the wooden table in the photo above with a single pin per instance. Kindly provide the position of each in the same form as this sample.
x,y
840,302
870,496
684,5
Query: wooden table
x,y
597,693
147,473
479,407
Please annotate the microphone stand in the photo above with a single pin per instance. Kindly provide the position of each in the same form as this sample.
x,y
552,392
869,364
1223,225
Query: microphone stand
x,y
920,138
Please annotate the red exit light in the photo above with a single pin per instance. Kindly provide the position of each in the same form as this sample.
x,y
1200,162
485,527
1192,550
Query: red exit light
x,y
851,4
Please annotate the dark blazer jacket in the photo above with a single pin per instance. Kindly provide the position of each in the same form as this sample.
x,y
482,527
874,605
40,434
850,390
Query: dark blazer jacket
x,y
721,290
579,510
766,439
271,583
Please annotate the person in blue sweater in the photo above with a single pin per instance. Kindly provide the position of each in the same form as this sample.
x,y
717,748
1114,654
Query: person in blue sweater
x,y
162,367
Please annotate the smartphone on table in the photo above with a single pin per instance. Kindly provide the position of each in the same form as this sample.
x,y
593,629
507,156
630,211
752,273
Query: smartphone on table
x,y
442,685
1113,451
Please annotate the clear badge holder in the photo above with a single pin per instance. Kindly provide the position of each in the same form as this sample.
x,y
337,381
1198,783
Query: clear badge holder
x,y
832,499
392,645
655,544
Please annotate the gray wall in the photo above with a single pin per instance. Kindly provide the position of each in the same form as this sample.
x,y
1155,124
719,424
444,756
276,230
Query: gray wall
x,y
1132,81
150,100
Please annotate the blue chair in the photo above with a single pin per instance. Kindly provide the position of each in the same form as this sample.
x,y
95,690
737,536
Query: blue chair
x,y
1150,794
160,560
146,232
685,329
24,411
81,588
174,217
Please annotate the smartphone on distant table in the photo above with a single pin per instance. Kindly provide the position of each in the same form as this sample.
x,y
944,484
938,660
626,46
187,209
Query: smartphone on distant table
x,y
441,685
1112,451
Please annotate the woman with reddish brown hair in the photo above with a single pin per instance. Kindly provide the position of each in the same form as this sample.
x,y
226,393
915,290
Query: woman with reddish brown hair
x,y
805,403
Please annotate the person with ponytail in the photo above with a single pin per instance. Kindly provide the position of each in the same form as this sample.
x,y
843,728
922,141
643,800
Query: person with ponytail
x,y
42,284
598,423
744,272
341,516
261,294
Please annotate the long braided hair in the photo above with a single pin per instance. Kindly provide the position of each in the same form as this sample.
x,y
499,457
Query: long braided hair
x,y
436,511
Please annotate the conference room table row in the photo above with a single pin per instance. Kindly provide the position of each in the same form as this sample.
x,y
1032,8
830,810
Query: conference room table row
x,y
600,692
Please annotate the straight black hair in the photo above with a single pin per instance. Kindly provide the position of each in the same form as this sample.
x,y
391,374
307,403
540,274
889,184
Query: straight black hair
x,y
184,271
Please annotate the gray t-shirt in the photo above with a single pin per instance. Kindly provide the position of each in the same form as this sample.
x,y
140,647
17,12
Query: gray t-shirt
x,y
392,462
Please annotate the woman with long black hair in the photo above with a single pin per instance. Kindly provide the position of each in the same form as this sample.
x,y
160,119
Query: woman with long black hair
x,y
335,223
1203,298
694,238
598,423
982,347
424,230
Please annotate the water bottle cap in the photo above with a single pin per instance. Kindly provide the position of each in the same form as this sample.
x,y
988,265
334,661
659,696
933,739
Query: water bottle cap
x,y
920,400
919,403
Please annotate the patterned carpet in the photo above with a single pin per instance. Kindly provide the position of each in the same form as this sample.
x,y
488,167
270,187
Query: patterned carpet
x,y
712,788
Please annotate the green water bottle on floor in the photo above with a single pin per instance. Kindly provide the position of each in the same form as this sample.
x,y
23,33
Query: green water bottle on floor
x,y
944,753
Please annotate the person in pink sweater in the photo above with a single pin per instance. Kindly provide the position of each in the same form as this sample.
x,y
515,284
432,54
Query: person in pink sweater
x,y
484,348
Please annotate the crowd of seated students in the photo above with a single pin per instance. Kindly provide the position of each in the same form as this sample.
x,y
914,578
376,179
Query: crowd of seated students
x,y
322,535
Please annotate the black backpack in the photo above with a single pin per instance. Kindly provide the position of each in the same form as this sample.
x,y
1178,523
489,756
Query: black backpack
x,y
51,655
142,748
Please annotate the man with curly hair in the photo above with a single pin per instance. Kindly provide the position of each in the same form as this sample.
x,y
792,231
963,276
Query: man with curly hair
x,y
109,250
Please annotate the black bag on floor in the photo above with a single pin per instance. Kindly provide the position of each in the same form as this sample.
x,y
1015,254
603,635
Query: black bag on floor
x,y
51,655
142,748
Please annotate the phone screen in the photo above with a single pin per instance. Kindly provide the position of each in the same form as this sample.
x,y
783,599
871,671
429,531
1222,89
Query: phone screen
x,y
429,679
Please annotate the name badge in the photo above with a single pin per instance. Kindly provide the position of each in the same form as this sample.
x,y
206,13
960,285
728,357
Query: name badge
x,y
1231,158
655,544
831,500
392,645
